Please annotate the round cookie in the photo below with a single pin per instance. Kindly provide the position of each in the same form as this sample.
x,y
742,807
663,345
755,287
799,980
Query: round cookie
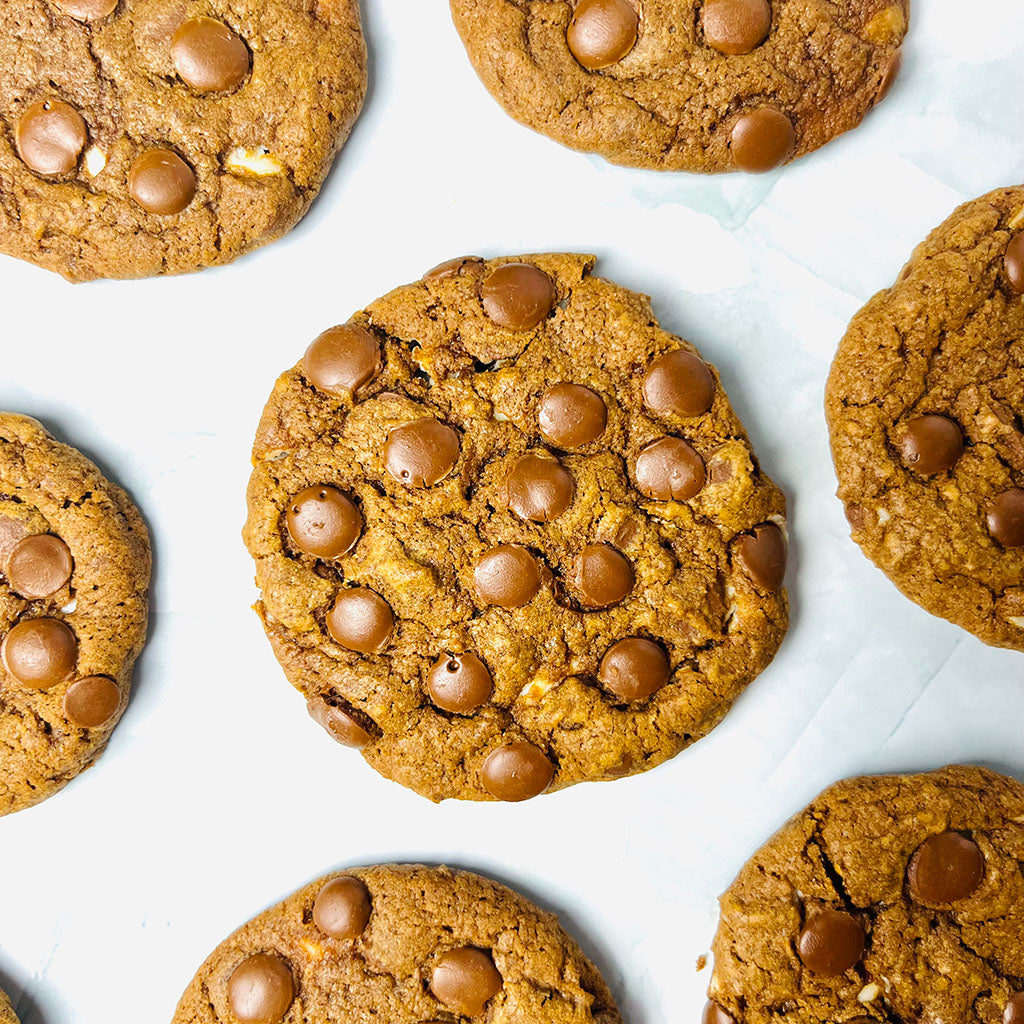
x,y
400,943
74,579
891,898
7,1014
923,405
558,558
687,85
163,136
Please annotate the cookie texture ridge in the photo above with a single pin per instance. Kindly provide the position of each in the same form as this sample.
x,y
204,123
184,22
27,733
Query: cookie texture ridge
x,y
162,136
924,403
895,898
74,581
401,943
510,534
697,85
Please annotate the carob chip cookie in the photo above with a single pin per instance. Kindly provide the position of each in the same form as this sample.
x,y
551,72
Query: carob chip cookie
x,y
400,943
74,580
510,534
924,406
891,898
687,85
150,137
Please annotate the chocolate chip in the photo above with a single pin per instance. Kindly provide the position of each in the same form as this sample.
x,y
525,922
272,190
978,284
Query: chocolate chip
x,y
261,989
736,26
931,444
342,360
831,942
209,56
603,576
50,137
762,556
421,453
679,384
602,32
39,566
539,489
338,724
465,980
517,296
518,771
1014,1013
92,701
669,470
762,140
944,869
40,653
1006,518
715,1014
361,620
342,908
634,668
459,683
452,268
889,75
87,10
507,576
161,182
571,416
323,522
1013,263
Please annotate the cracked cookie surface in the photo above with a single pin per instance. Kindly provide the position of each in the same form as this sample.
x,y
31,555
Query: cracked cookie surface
x,y
699,85
74,580
144,137
533,548
401,943
924,404
893,898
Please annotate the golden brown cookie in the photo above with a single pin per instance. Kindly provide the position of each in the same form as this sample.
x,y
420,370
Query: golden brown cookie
x,y
7,1014
891,898
511,535
74,580
699,85
161,136
924,403
403,944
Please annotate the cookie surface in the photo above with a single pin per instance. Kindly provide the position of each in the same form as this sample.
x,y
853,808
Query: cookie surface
x,y
161,136
893,898
693,86
923,404
7,1014
404,944
74,577
533,548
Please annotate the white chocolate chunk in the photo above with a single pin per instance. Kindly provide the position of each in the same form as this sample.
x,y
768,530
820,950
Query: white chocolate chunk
x,y
95,161
259,162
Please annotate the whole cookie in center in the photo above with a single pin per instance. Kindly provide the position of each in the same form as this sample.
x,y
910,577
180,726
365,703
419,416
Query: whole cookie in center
x,y
510,534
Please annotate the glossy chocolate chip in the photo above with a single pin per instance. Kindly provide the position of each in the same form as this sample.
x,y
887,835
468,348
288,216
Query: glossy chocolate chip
x,y
762,556
87,10
669,470
342,908
944,869
421,453
261,989
1013,263
40,653
465,980
736,26
507,576
602,32
50,137
361,620
342,360
889,75
209,56
571,416
762,140
603,576
459,683
538,488
831,942
161,182
452,268
1014,1012
634,668
679,384
338,724
39,566
323,522
1006,518
517,296
931,444
716,1014
92,701
518,771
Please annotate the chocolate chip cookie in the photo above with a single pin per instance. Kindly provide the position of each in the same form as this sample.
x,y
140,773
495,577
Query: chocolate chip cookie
x,y
404,944
924,406
74,577
147,137
697,85
510,534
893,898
7,1014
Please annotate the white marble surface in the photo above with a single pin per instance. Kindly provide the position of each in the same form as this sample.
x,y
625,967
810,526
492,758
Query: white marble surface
x,y
217,796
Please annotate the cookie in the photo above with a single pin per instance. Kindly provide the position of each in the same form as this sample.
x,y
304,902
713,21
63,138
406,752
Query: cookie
x,y
7,1014
923,405
718,85
510,534
404,944
893,898
148,137
74,577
